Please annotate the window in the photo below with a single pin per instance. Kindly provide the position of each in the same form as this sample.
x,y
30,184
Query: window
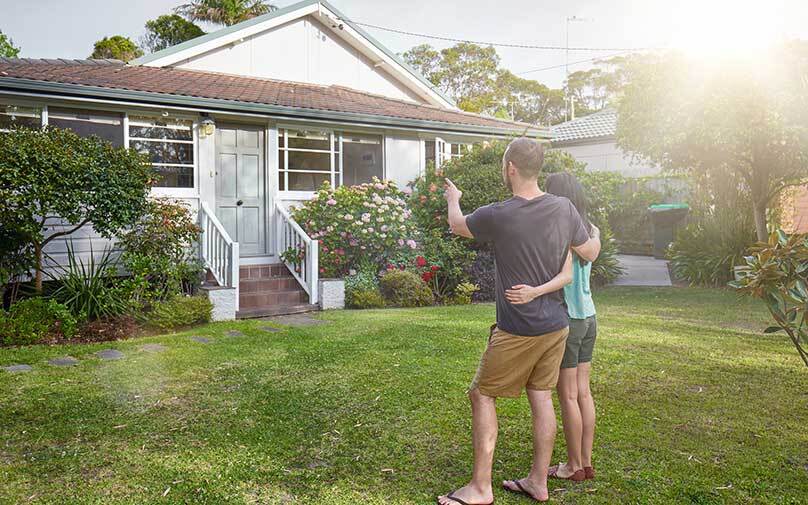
x,y
169,143
457,150
429,153
307,158
14,115
105,125
438,152
362,158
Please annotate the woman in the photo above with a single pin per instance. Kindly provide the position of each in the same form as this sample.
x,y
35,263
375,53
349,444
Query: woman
x,y
577,406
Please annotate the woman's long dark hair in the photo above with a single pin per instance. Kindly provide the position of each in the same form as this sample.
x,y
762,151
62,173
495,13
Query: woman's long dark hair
x,y
565,184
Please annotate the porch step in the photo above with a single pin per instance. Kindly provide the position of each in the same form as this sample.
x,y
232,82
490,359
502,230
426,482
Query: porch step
x,y
276,311
270,290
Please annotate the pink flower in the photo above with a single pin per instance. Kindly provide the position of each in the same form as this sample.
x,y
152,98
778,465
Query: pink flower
x,y
331,202
412,244
401,241
407,191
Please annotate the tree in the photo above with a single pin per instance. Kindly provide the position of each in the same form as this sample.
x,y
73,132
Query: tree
x,y
473,77
529,101
739,121
116,47
168,30
601,86
224,12
7,48
52,176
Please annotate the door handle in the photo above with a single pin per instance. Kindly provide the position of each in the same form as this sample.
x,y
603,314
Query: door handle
x,y
240,203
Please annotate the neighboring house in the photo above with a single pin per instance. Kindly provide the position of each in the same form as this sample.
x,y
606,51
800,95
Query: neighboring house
x,y
592,140
795,210
245,120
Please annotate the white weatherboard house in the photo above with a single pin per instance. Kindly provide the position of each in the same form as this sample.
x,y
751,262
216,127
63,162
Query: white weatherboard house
x,y
592,140
243,121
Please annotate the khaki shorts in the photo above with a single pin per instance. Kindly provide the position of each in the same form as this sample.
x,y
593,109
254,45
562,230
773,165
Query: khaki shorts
x,y
512,363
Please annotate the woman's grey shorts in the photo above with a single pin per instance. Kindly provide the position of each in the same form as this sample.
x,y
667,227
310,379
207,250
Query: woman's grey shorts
x,y
580,342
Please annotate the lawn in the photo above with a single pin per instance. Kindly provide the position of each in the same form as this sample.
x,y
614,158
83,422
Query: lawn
x,y
694,405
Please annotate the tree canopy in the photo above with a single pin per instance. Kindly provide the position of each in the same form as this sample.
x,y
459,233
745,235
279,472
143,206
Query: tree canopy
x,y
7,47
740,122
224,12
53,176
116,47
168,30
472,76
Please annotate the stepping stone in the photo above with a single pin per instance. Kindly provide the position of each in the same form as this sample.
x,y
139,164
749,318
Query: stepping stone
x,y
269,329
234,333
153,348
17,368
110,354
66,361
201,340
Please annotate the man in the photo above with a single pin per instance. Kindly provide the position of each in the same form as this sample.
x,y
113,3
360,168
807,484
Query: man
x,y
531,234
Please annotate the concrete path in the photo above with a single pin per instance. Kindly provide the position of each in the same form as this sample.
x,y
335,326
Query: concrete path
x,y
643,271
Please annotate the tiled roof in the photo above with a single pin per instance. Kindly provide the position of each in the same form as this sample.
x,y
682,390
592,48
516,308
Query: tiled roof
x,y
116,75
600,124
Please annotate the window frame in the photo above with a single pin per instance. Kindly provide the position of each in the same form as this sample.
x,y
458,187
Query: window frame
x,y
43,109
178,192
336,153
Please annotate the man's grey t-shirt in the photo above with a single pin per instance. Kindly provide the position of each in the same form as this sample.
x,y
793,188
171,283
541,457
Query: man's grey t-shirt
x,y
531,239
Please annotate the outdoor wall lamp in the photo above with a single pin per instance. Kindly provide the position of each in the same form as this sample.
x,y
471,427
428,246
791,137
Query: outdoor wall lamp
x,y
207,126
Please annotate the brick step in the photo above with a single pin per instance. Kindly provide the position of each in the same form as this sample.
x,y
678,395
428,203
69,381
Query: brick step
x,y
273,284
276,311
270,299
270,271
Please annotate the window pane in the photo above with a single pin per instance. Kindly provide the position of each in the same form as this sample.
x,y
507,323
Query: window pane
x,y
175,177
12,115
165,152
429,151
320,162
361,159
160,128
104,125
310,140
306,182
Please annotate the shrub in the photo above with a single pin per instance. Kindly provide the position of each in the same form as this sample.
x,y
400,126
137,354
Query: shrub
x,y
777,273
88,290
370,221
365,298
362,288
481,273
606,269
706,251
463,293
159,254
34,320
401,288
180,311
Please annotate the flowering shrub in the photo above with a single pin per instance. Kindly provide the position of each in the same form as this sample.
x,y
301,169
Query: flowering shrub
x,y
405,289
351,222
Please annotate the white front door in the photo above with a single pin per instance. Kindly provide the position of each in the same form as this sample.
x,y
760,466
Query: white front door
x,y
240,186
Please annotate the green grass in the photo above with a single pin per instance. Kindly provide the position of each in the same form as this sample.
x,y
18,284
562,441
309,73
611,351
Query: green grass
x,y
694,405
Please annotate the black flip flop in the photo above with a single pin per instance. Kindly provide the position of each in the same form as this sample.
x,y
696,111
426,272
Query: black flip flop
x,y
521,491
458,500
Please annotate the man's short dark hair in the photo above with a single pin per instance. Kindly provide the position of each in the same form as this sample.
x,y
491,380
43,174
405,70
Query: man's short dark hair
x,y
527,155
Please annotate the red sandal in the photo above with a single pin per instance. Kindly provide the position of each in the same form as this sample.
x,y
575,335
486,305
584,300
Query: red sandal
x,y
578,476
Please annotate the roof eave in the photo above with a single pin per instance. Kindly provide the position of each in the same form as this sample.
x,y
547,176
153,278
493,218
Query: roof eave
x,y
12,84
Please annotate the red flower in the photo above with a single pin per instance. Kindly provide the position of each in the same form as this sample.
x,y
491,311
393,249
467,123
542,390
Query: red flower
x,y
420,261
426,276
435,268
390,267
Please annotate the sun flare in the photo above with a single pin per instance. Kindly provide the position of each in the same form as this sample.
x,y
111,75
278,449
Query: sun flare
x,y
726,27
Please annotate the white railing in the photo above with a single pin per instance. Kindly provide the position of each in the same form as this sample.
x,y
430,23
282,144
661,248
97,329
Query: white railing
x,y
298,251
218,251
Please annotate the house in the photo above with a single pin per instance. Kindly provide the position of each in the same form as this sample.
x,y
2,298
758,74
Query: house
x,y
246,120
592,140
794,203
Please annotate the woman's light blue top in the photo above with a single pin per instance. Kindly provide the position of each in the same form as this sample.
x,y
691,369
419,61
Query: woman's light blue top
x,y
577,294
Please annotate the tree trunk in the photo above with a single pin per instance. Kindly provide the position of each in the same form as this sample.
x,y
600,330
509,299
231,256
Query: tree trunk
x,y
38,268
760,222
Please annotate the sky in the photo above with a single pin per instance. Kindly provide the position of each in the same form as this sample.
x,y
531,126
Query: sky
x,y
68,28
